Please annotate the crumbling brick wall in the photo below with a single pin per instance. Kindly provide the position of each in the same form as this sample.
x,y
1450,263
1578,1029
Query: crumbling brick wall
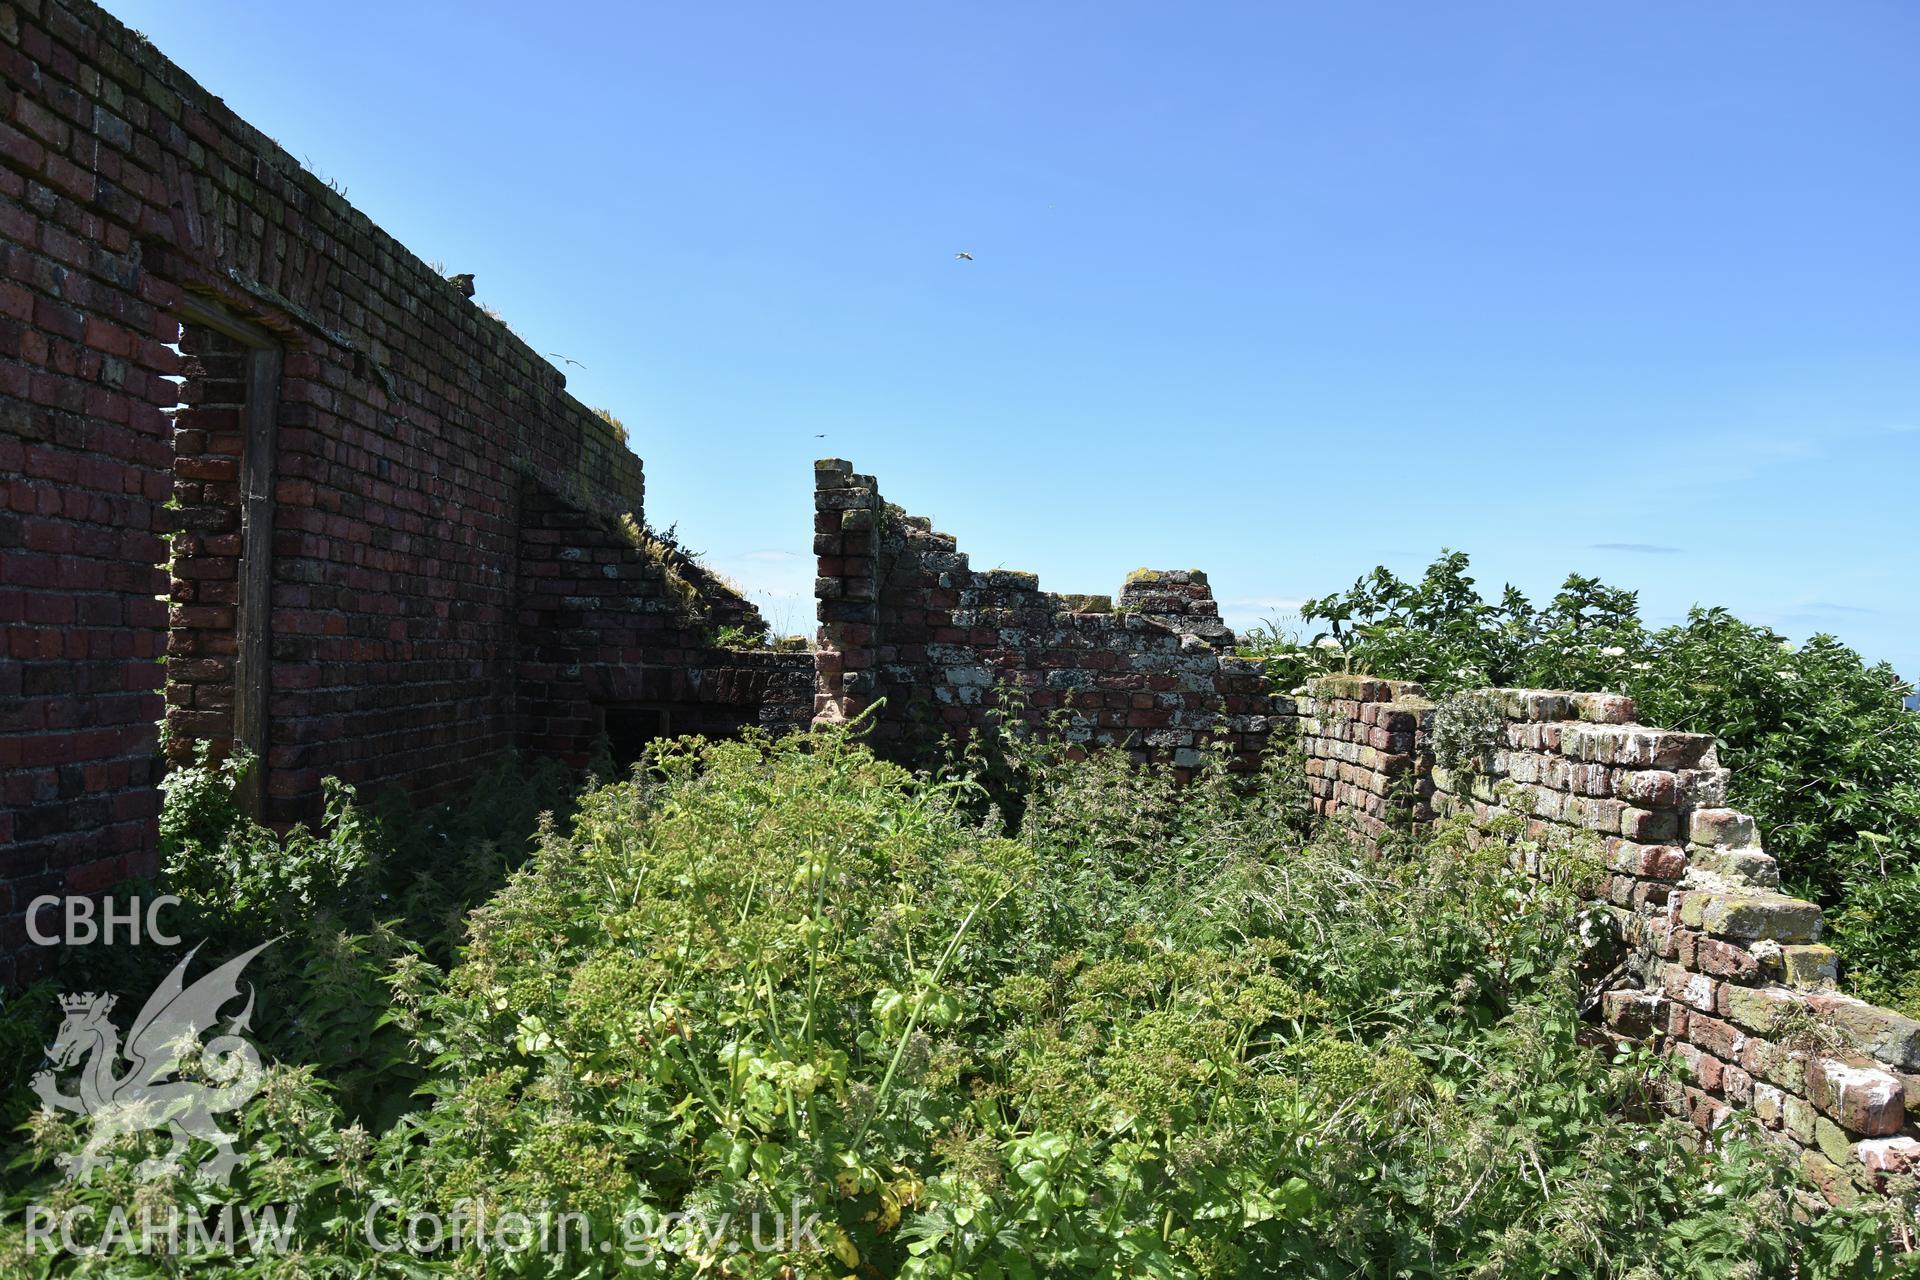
x,y
905,619
618,639
1721,969
347,472
1364,747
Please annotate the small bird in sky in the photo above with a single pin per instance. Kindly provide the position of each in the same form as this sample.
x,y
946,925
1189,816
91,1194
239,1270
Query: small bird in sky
x,y
557,356
964,257
463,282
820,436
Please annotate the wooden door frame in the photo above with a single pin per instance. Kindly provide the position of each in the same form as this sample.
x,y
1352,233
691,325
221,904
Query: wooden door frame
x,y
252,682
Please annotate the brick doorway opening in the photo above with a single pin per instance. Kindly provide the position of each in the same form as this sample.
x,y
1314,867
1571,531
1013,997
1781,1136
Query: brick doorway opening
x,y
220,562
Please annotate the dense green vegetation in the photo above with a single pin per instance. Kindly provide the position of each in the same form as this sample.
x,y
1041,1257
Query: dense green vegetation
x,y
1142,1032
1822,751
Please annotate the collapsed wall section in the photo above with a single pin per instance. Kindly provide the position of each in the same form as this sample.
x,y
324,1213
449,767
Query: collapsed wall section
x,y
1721,970
906,622
619,640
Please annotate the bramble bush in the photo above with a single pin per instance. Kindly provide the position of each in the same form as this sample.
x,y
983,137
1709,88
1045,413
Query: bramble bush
x,y
381,887
1822,749
1147,1030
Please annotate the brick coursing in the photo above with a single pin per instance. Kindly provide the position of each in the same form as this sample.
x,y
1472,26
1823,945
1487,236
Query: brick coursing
x,y
450,578
905,619
1719,964
410,425
1364,748
605,622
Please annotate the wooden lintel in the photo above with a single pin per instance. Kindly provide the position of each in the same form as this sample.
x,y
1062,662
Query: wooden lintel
x,y
211,314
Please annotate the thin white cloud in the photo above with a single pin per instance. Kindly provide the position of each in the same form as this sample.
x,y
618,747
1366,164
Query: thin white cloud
x,y
1276,603
1827,606
1726,457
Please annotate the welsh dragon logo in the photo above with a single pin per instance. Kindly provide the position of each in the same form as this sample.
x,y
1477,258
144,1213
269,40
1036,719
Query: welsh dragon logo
x,y
164,1040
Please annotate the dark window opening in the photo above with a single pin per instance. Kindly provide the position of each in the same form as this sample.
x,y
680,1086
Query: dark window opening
x,y
630,729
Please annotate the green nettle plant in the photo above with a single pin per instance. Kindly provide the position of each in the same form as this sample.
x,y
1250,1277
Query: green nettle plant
x,y
1822,750
213,854
1468,726
770,1010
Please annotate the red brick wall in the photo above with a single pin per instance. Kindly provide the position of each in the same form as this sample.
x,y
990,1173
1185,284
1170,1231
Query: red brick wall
x,y
1718,964
904,618
1367,754
408,423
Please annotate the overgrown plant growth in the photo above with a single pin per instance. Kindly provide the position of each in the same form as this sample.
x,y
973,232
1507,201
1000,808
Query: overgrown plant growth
x,y
379,894
1822,749
1147,1030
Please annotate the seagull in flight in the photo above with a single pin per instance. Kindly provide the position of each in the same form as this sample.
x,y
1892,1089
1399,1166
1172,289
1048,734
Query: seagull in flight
x,y
964,257
575,363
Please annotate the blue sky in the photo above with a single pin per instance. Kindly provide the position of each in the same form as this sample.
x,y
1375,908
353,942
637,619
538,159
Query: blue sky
x,y
1281,291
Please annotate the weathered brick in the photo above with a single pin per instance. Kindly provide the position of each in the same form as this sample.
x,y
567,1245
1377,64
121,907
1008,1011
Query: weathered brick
x,y
1650,788
1632,1013
1898,1156
1799,1118
1722,1039
1726,827
1890,1037
1832,1141
1649,825
1748,917
1863,1100
451,579
1805,966
1757,1009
